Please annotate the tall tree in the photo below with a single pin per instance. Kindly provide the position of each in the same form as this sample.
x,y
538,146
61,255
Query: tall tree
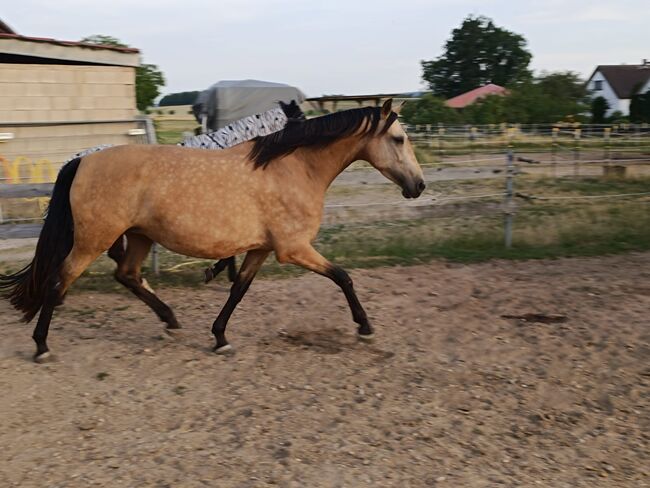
x,y
640,107
181,98
148,77
599,108
478,53
564,94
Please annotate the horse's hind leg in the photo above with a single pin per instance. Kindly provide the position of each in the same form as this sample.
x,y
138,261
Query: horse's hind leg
x,y
128,274
118,250
73,265
219,266
232,269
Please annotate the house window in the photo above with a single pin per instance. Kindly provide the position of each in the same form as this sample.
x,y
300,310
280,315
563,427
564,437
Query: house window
x,y
598,85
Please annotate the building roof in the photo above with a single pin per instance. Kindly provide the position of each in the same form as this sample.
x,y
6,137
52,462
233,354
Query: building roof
x,y
353,98
6,35
39,49
625,78
5,29
468,98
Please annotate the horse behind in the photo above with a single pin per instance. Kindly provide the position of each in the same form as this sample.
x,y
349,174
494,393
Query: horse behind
x,y
263,196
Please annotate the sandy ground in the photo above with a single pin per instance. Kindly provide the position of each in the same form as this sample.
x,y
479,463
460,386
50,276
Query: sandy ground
x,y
451,394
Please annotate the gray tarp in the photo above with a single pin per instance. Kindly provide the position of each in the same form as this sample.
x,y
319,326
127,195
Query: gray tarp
x,y
230,100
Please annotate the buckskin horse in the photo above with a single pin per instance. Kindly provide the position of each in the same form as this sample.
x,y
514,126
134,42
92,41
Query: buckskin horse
x,y
258,197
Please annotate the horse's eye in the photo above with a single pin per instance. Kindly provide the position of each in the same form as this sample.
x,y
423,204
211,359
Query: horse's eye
x,y
398,139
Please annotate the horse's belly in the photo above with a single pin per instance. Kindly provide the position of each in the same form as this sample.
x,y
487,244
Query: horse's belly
x,y
206,246
211,238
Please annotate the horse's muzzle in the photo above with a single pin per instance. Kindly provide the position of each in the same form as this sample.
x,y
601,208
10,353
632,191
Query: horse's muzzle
x,y
414,190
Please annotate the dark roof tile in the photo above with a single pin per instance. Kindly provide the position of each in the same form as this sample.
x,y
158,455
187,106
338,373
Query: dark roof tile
x,y
625,78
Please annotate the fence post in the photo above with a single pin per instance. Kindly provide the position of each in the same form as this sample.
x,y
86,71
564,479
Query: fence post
x,y
472,141
608,148
151,139
155,266
441,133
554,150
510,191
576,152
149,129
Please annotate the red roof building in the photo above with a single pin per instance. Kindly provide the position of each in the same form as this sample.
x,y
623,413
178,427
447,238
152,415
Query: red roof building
x,y
470,97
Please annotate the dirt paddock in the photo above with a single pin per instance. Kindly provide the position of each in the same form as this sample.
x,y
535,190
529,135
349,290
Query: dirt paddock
x,y
451,393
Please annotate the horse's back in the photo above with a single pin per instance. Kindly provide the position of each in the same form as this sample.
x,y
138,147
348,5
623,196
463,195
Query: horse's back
x,y
148,171
191,200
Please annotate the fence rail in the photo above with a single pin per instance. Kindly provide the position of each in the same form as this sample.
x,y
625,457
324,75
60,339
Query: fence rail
x,y
508,153
31,154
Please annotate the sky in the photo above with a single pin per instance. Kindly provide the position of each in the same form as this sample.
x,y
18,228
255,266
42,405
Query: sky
x,y
335,46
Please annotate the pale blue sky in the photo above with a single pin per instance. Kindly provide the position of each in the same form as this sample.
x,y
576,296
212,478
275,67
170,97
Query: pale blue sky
x,y
335,46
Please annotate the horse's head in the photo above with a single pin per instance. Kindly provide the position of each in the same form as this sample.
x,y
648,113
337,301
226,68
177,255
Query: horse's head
x,y
390,151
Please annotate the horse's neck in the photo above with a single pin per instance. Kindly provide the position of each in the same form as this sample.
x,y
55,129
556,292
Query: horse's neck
x,y
326,163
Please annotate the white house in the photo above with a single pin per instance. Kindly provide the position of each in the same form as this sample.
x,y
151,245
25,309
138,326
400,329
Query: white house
x,y
618,83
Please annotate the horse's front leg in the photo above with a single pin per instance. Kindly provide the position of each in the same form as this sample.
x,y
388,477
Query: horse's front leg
x,y
307,257
252,263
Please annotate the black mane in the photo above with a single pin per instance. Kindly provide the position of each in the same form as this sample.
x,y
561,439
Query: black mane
x,y
317,132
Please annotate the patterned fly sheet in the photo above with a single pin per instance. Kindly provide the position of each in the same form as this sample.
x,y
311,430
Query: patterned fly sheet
x,y
240,131
234,133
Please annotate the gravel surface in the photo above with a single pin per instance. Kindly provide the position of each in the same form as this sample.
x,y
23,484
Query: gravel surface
x,y
451,393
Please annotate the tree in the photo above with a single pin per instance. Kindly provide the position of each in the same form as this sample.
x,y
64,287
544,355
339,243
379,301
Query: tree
x,y
489,110
429,110
182,98
564,95
103,40
563,85
148,77
640,107
148,80
599,108
478,53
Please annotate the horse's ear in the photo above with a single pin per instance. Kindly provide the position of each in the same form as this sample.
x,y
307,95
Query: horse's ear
x,y
399,108
386,107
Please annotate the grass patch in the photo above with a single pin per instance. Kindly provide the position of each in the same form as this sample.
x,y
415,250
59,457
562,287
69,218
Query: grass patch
x,y
172,131
539,232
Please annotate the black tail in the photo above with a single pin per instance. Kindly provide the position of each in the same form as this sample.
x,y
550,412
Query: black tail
x,y
27,288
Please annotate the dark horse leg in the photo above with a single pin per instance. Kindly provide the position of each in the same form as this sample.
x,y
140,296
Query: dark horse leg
x,y
118,249
52,299
219,266
128,273
252,263
75,263
309,258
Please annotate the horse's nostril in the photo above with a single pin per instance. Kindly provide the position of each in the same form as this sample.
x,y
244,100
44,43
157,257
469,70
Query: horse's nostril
x,y
421,186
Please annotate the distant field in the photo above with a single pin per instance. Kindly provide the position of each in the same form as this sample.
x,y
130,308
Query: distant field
x,y
172,131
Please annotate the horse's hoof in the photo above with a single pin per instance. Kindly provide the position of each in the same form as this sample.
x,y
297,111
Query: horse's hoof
x,y
366,337
227,349
46,357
